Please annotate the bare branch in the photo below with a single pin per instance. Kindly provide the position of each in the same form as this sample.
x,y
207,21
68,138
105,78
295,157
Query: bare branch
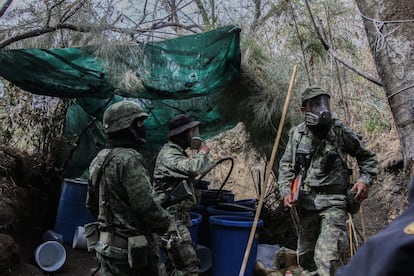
x,y
90,28
69,13
335,55
257,14
203,12
5,6
41,31
49,12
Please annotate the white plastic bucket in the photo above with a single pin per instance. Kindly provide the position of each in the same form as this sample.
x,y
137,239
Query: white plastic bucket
x,y
79,239
50,256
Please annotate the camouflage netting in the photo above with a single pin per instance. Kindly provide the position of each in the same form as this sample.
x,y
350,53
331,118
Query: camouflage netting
x,y
193,74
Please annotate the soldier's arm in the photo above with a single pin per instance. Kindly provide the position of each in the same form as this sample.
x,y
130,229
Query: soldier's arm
x,y
286,168
92,200
190,167
144,206
367,160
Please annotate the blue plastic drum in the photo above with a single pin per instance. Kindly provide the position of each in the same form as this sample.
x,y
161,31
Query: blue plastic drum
x,y
72,210
196,219
229,238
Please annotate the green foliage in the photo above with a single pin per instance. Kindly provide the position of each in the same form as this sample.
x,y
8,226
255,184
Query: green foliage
x,y
374,123
30,122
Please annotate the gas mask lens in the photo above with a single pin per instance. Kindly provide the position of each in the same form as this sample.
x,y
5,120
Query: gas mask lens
x,y
195,138
196,143
319,111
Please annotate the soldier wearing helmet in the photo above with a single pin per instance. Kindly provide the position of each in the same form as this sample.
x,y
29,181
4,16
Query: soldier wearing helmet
x,y
175,170
316,157
120,197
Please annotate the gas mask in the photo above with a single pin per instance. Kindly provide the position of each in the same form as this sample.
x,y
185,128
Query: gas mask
x,y
196,141
139,133
318,112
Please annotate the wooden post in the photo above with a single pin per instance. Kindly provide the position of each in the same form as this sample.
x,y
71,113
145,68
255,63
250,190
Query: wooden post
x,y
268,172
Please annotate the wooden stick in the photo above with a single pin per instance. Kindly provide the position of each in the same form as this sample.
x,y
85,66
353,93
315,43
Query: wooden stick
x,y
351,248
361,216
268,172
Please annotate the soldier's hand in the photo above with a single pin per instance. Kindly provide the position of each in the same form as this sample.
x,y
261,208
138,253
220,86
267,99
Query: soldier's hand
x,y
362,191
204,148
287,200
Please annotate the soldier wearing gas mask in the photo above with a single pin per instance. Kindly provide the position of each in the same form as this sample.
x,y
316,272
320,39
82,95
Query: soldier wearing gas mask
x,y
317,153
174,176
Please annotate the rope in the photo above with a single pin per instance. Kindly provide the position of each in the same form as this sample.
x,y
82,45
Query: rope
x,y
379,36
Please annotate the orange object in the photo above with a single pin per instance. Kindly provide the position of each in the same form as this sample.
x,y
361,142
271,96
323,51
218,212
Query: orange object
x,y
294,191
288,273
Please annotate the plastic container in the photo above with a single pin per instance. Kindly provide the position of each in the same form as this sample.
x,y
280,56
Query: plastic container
x,y
203,227
207,211
50,256
196,219
229,238
214,210
72,210
213,196
204,255
79,238
51,235
248,202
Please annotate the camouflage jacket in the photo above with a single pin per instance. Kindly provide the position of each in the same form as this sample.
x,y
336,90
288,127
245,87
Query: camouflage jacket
x,y
173,165
129,206
340,140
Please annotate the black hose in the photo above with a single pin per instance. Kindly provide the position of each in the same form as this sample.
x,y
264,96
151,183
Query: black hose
x,y
227,177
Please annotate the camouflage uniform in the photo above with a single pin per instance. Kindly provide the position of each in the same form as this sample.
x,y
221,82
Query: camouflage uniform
x,y
123,203
322,204
172,166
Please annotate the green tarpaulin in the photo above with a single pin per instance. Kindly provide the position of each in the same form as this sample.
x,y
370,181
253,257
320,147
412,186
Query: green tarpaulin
x,y
188,74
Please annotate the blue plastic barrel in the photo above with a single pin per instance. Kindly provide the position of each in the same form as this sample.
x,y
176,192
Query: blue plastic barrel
x,y
248,202
72,210
213,196
196,219
214,210
229,237
203,227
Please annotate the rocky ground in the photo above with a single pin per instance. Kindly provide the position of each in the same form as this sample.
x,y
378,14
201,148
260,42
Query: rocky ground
x,y
30,195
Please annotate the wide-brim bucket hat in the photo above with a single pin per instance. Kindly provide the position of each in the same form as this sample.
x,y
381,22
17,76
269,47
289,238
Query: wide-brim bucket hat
x,y
181,123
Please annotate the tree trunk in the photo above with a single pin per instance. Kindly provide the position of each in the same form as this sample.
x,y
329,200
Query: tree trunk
x,y
392,45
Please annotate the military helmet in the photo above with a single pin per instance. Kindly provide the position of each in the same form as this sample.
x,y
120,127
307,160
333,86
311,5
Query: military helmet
x,y
120,116
311,92
181,123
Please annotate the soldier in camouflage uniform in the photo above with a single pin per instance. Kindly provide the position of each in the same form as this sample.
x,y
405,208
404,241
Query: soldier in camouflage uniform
x,y
173,168
317,150
120,197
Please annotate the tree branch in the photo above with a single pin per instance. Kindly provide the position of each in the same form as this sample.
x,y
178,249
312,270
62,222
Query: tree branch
x,y
335,55
40,31
5,6
203,12
86,29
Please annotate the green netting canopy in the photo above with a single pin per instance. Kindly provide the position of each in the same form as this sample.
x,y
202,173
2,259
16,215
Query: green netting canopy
x,y
191,74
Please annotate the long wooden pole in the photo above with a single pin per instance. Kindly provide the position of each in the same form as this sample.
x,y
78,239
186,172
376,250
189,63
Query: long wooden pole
x,y
267,175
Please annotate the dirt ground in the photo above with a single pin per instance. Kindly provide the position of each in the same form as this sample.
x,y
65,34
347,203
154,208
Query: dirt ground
x,y
30,195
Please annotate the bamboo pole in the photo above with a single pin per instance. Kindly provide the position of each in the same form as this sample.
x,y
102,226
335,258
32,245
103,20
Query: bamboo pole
x,y
268,172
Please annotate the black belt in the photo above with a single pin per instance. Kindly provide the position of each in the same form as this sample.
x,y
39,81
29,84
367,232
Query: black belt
x,y
329,190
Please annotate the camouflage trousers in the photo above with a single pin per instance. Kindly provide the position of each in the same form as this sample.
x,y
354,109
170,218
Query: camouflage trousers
x,y
181,256
323,244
